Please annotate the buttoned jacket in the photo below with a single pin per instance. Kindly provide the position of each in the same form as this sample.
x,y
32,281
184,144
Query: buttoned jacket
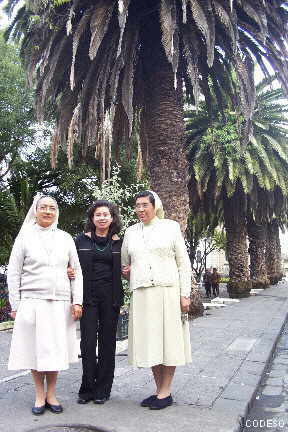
x,y
157,255
34,274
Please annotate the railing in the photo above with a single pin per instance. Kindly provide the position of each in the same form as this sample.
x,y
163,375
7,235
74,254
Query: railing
x,y
122,328
5,308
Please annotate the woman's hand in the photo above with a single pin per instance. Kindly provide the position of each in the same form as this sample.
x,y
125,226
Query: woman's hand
x,y
13,314
71,273
126,272
184,304
76,312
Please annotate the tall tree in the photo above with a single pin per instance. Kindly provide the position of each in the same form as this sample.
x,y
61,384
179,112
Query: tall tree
x,y
103,61
242,180
268,206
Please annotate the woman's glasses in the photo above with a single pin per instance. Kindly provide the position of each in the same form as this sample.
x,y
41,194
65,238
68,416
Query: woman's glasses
x,y
140,206
43,208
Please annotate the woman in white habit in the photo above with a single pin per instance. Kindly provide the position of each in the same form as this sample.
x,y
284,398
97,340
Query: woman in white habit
x,y
155,260
45,303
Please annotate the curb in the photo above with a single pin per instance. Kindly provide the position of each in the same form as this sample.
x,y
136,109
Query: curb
x,y
247,406
6,325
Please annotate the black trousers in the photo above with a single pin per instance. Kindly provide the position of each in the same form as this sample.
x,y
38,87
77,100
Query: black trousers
x,y
215,288
98,324
208,289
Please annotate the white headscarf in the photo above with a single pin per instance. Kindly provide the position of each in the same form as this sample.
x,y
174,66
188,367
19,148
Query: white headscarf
x,y
158,205
30,218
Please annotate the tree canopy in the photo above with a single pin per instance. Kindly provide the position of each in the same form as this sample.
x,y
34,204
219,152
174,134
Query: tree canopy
x,y
90,57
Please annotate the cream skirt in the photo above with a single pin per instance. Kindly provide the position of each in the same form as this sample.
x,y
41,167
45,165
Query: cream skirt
x,y
156,333
44,336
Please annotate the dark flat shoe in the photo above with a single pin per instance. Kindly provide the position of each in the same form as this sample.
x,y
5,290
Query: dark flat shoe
x,y
161,403
83,401
55,409
148,401
38,410
101,401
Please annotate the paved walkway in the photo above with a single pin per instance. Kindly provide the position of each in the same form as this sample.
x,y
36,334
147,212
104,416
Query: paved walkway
x,y
231,347
269,410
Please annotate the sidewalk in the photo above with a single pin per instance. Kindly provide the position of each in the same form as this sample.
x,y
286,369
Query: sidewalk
x,y
230,349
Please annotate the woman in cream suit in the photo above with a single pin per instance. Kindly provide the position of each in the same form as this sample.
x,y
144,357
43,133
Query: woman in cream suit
x,y
155,260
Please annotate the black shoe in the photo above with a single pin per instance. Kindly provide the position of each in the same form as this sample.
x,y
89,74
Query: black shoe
x,y
148,401
161,403
101,401
83,401
38,410
55,409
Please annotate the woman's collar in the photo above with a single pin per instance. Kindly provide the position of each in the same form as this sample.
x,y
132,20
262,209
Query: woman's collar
x,y
152,222
51,227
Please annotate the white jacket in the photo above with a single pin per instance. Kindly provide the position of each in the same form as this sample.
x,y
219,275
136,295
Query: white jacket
x,y
33,272
157,254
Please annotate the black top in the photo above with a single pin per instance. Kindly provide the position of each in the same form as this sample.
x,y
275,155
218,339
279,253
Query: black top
x,y
101,261
91,258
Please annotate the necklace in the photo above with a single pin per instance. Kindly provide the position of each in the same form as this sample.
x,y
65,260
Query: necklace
x,y
101,249
101,246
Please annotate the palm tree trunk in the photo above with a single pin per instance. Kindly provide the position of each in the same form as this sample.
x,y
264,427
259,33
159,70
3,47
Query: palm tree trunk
x,y
237,252
163,129
273,253
162,135
257,248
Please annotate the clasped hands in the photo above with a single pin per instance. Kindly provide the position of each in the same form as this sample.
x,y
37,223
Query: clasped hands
x,y
184,301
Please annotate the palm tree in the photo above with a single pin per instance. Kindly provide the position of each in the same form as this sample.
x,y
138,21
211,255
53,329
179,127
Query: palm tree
x,y
269,208
13,207
242,180
105,62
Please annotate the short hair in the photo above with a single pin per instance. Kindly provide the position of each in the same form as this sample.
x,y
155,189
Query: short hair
x,y
145,194
46,196
116,224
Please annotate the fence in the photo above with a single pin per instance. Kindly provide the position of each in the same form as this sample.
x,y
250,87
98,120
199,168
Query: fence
x,y
5,308
122,328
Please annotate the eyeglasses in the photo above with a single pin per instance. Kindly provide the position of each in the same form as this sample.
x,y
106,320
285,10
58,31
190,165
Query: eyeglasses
x,y
43,208
140,206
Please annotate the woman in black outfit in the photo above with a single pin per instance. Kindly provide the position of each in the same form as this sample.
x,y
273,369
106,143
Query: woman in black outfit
x,y
99,251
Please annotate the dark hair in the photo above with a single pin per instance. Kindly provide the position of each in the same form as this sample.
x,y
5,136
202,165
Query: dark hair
x,y
144,194
116,224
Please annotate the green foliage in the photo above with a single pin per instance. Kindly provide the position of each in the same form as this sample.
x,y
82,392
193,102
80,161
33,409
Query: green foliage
x,y
3,303
74,189
222,163
201,227
121,193
60,2
16,107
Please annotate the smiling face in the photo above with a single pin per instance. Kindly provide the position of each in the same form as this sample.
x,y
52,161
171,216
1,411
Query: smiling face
x,y
46,212
145,209
102,220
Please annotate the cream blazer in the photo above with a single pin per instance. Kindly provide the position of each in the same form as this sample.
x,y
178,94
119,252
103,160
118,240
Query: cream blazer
x,y
157,254
33,273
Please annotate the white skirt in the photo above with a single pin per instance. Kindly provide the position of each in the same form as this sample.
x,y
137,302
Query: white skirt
x,y
44,336
156,332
